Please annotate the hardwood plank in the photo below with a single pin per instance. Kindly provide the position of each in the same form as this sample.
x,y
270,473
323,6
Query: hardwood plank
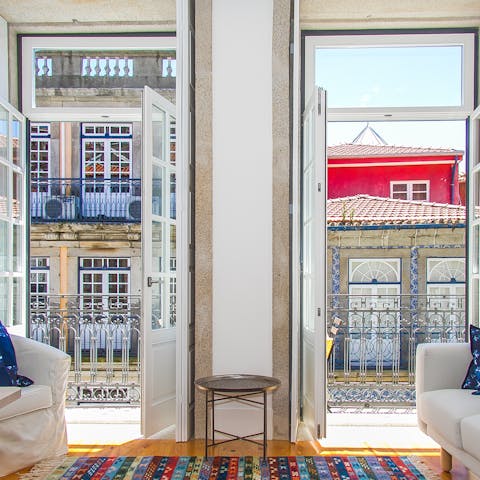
x,y
275,448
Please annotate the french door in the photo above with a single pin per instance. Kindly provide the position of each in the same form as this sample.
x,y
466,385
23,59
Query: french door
x,y
313,265
473,209
159,247
13,219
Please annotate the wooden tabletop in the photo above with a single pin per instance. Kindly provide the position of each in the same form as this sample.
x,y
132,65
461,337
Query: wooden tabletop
x,y
8,395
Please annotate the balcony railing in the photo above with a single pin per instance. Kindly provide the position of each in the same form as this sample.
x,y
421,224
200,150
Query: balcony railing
x,y
372,362
103,336
373,359
91,200
85,200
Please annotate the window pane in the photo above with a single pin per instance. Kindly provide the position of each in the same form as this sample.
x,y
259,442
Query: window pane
x,y
3,134
419,196
419,187
120,74
405,76
3,246
399,187
4,301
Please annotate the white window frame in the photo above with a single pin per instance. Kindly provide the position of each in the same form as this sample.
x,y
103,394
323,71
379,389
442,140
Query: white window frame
x,y
40,137
35,270
409,184
306,80
105,43
393,263
105,269
461,112
452,287
107,138
473,209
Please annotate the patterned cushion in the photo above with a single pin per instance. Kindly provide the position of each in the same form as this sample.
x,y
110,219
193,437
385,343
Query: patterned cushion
x,y
472,380
8,363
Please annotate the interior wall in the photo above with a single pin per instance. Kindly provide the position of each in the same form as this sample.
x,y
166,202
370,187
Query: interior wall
x,y
203,203
242,193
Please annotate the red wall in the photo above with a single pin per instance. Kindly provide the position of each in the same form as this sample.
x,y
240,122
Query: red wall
x,y
375,180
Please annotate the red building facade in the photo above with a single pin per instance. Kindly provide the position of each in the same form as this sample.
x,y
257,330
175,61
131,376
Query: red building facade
x,y
404,173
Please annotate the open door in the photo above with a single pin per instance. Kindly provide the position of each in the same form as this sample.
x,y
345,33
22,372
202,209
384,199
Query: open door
x,y
13,220
313,267
473,209
159,247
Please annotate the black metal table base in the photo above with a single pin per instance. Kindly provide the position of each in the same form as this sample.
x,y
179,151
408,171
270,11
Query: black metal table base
x,y
221,397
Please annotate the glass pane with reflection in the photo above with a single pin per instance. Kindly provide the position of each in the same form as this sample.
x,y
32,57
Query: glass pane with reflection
x,y
3,134
16,142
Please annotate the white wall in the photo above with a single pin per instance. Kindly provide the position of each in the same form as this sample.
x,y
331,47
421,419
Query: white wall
x,y
242,186
3,59
242,197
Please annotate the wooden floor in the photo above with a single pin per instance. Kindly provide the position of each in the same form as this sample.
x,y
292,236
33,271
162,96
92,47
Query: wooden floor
x,y
275,448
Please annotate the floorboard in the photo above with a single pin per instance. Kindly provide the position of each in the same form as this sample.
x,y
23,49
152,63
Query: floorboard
x,y
275,448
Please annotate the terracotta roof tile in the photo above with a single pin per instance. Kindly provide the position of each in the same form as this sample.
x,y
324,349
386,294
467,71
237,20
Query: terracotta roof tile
x,y
356,150
369,210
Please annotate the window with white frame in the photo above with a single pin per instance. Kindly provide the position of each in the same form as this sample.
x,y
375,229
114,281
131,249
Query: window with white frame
x,y
446,283
39,156
411,190
109,63
374,310
107,155
104,280
473,211
39,281
104,288
381,66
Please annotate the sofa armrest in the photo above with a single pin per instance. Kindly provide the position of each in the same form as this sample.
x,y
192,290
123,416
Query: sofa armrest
x,y
441,366
44,364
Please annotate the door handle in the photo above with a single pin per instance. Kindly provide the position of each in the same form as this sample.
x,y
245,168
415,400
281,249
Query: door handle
x,y
150,281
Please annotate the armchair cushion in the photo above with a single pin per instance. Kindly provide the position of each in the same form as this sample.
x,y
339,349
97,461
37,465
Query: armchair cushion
x,y
472,379
34,397
9,376
451,406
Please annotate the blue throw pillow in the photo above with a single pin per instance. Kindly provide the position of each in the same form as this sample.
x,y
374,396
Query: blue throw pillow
x,y
8,363
472,380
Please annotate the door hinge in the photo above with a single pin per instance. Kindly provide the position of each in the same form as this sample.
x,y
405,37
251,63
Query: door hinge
x,y
319,187
318,430
319,312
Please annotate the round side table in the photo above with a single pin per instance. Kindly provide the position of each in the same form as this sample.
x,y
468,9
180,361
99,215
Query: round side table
x,y
224,388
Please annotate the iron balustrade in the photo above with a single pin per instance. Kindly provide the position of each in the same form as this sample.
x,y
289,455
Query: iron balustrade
x,y
91,200
373,358
372,361
103,336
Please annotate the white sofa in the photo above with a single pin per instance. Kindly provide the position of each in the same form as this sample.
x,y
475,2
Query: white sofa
x,y
446,412
33,427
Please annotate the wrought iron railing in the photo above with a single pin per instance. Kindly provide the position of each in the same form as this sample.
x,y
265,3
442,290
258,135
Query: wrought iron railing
x,y
92,200
85,200
373,359
103,336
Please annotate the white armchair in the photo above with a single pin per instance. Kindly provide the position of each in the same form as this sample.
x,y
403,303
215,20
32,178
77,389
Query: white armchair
x,y
33,427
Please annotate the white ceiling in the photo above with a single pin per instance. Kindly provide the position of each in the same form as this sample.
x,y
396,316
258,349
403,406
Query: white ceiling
x,y
87,11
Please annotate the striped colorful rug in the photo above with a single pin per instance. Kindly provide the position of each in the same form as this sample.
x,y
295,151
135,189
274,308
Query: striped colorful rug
x,y
232,468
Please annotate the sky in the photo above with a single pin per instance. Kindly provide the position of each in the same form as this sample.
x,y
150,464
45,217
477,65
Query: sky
x,y
403,76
